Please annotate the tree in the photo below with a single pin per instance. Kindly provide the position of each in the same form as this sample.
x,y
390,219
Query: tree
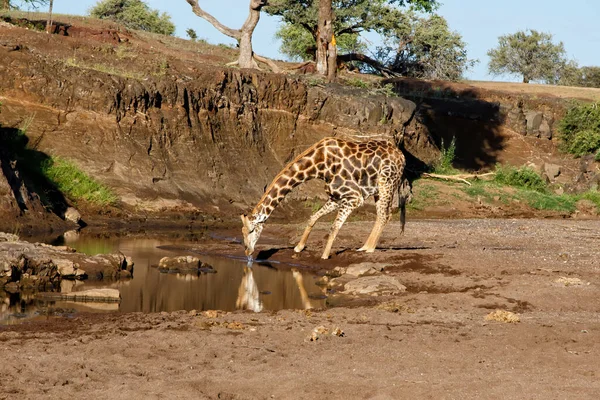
x,y
348,19
530,54
247,57
134,14
424,47
573,75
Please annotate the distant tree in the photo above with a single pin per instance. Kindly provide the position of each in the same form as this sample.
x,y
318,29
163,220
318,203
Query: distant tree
x,y
572,75
191,34
348,17
134,14
424,47
530,54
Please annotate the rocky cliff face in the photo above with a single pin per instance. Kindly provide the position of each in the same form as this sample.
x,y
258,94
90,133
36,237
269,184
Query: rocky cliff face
x,y
205,140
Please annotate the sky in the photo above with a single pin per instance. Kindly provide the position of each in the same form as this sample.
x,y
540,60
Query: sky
x,y
480,22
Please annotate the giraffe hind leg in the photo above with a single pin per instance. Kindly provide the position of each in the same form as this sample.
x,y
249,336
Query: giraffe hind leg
x,y
384,205
326,209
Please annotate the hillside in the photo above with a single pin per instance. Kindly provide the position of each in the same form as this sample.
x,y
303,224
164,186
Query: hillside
x,y
169,128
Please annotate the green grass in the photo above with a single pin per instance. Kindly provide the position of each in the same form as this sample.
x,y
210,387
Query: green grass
x,y
75,183
107,69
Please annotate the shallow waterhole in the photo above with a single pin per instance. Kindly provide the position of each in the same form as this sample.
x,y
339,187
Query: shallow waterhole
x,y
234,286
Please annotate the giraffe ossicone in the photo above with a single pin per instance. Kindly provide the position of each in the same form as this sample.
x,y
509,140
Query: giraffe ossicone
x,y
353,171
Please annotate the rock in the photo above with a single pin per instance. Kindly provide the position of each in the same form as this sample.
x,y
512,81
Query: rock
x,y
365,268
534,121
559,191
566,281
552,170
8,237
72,215
65,267
545,131
503,316
184,264
374,285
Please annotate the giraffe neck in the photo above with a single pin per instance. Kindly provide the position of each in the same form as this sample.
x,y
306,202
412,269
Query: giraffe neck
x,y
300,170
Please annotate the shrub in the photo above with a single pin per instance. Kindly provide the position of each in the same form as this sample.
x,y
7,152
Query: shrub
x,y
447,155
580,129
524,177
583,142
134,14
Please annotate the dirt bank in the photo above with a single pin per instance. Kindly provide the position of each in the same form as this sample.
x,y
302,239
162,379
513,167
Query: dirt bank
x,y
430,341
166,126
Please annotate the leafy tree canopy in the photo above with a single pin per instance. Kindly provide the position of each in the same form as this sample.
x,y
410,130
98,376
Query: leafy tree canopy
x,y
134,14
530,54
351,16
424,47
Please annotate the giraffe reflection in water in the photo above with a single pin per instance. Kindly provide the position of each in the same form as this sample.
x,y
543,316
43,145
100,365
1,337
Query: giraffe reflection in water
x,y
248,297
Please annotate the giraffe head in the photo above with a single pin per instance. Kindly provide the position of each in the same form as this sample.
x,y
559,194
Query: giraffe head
x,y
251,231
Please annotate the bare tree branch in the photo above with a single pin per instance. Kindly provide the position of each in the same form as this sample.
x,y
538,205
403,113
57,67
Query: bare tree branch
x,y
234,33
388,73
269,62
460,178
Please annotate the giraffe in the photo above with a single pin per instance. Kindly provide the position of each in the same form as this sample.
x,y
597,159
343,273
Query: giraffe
x,y
353,171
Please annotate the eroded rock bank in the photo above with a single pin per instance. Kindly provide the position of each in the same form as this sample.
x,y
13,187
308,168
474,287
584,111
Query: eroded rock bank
x,y
26,267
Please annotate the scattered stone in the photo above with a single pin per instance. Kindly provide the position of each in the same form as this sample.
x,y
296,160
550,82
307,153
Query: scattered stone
x,y
552,170
374,286
338,332
565,281
211,313
8,237
365,268
72,215
503,316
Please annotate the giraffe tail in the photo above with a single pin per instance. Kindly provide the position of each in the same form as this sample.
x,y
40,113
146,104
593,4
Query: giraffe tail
x,y
404,197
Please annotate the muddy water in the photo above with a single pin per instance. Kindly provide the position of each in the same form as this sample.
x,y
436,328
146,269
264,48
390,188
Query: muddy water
x,y
234,286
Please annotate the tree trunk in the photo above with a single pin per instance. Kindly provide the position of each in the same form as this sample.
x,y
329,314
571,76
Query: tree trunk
x,y
243,35
246,59
49,23
5,4
525,79
324,37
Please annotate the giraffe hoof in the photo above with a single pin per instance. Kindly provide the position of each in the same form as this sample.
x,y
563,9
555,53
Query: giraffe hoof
x,y
298,249
361,249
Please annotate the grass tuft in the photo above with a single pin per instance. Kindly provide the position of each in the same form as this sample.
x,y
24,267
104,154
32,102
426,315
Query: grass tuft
x,y
75,183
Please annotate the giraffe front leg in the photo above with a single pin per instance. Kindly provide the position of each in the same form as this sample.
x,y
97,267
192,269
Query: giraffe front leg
x,y
326,209
343,214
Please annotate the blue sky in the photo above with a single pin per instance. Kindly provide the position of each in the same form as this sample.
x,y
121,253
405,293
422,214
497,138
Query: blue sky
x,y
480,22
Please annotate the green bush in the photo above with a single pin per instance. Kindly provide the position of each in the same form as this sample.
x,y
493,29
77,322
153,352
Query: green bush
x,y
583,142
524,177
134,14
580,129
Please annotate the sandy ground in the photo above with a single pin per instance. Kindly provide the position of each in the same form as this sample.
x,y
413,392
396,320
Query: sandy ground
x,y
431,341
